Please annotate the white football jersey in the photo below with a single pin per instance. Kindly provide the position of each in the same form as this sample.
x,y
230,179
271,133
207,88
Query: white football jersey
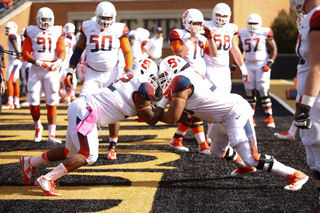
x,y
310,22
44,42
16,37
207,101
223,38
117,101
196,54
254,44
103,45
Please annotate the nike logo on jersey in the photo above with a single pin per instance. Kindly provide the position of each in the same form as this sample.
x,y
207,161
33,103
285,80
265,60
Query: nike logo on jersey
x,y
238,117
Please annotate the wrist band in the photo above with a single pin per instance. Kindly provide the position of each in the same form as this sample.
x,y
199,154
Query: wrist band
x,y
308,100
163,103
189,44
38,63
243,69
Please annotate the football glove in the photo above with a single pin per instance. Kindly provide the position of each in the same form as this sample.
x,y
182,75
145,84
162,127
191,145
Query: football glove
x,y
40,63
207,32
55,65
268,66
245,78
302,119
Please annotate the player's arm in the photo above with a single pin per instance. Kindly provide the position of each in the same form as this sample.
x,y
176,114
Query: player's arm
x,y
80,46
272,48
125,47
175,113
237,57
150,114
14,43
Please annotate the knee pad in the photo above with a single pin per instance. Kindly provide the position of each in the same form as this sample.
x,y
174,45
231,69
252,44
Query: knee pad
x,y
263,93
230,154
265,159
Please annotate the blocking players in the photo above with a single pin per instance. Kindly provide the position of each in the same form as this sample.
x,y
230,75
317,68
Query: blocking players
x,y
260,51
233,135
44,47
130,95
106,41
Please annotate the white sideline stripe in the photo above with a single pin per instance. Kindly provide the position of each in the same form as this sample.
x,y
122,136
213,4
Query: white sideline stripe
x,y
284,104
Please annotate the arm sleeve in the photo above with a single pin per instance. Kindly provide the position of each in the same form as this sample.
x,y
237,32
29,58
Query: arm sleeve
x,y
61,47
125,47
27,49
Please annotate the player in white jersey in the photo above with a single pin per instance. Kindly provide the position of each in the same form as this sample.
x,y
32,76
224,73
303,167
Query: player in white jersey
x,y
106,41
24,72
260,52
130,95
223,32
68,94
135,47
14,65
308,50
233,135
291,133
44,47
191,43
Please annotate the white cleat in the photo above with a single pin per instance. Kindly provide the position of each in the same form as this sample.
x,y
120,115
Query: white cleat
x,y
204,148
53,139
285,136
38,134
177,145
47,186
297,180
246,170
27,169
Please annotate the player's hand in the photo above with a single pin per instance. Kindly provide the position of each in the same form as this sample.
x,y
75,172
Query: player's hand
x,y
207,32
302,119
68,79
40,63
245,78
55,65
268,66
232,69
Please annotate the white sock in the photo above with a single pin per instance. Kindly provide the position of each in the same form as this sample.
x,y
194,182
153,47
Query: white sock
x,y
281,169
39,159
293,129
58,172
52,129
37,124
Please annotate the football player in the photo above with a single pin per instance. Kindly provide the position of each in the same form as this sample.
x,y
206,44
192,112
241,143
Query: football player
x,y
191,43
106,41
44,47
260,51
308,49
233,135
14,65
130,95
224,36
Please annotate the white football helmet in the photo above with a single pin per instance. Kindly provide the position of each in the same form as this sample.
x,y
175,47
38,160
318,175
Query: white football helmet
x,y
147,68
297,6
254,22
300,20
105,10
190,16
223,10
169,68
45,18
69,28
10,28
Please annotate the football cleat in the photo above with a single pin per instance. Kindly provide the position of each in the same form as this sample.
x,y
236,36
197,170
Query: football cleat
x,y
26,103
296,181
204,148
8,106
285,136
112,155
177,145
38,134
27,169
270,122
53,139
241,171
47,186
17,106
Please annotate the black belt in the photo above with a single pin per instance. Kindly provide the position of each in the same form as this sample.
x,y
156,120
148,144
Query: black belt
x,y
111,88
301,61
